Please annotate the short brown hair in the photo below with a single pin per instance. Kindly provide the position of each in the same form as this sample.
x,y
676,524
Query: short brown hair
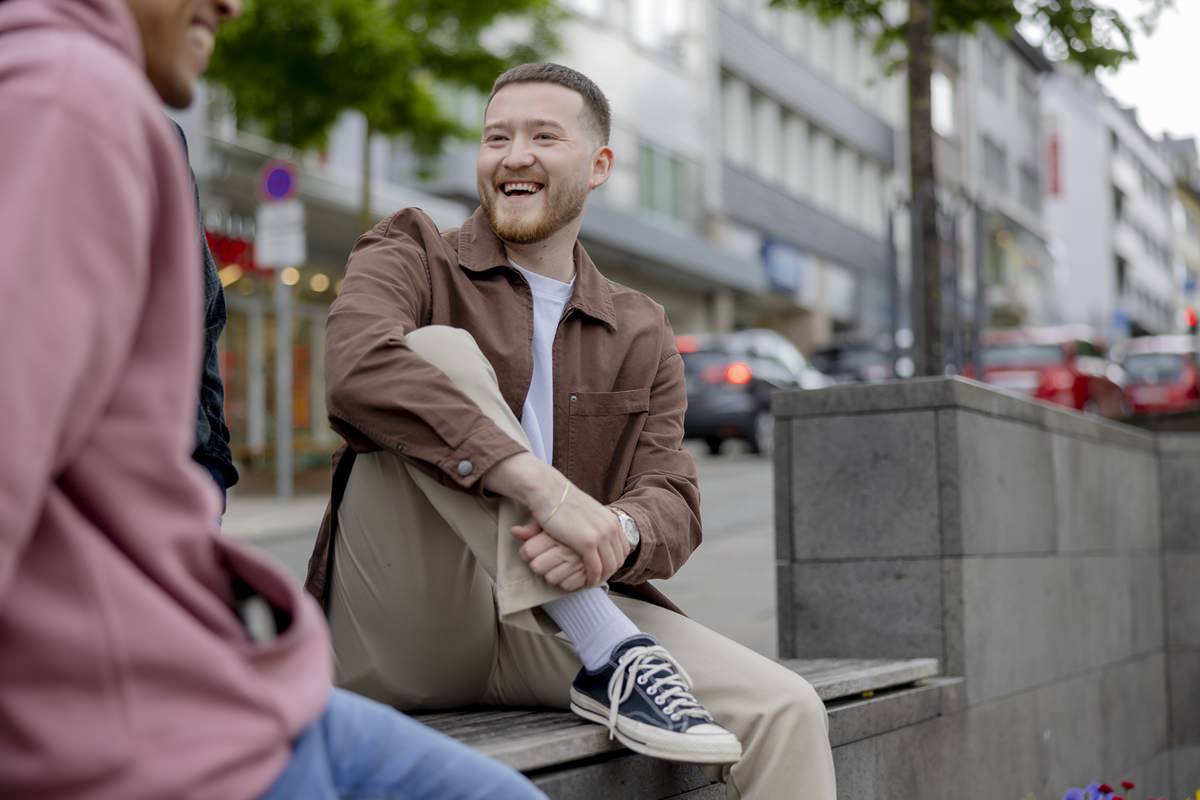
x,y
595,105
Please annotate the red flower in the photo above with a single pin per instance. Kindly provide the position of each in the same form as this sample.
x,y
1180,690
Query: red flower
x,y
1117,797
1105,789
1127,785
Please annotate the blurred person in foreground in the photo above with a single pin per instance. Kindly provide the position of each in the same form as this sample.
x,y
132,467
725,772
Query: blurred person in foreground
x,y
142,656
515,423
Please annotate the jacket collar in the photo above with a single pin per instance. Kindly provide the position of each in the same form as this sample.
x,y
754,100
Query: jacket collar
x,y
480,249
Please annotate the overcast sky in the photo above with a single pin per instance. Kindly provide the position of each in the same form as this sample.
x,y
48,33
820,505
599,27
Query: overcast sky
x,y
1161,83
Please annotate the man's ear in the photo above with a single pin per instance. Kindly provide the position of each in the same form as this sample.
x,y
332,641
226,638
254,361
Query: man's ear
x,y
602,165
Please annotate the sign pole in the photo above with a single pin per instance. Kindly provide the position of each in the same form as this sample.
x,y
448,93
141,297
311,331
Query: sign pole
x,y
279,243
284,478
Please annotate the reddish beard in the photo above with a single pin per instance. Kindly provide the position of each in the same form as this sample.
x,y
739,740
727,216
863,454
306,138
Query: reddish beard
x,y
563,203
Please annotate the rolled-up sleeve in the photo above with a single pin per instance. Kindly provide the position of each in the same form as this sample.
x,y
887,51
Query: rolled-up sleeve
x,y
381,394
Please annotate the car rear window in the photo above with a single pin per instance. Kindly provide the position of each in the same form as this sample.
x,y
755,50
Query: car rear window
x,y
696,361
1011,355
1155,367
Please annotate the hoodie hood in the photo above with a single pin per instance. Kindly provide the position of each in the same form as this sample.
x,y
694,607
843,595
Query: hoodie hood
x,y
108,20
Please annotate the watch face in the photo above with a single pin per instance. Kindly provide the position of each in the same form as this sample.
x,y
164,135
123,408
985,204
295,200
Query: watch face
x,y
629,528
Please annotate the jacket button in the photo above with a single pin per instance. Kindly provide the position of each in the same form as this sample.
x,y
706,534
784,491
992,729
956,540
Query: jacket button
x,y
464,468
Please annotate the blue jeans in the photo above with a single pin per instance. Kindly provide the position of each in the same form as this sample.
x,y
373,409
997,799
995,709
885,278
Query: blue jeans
x,y
363,750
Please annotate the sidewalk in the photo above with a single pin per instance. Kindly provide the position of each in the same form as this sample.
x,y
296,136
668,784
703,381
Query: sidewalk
x,y
263,518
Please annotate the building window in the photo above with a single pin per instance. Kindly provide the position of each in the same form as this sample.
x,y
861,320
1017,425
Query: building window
x,y
995,65
767,157
795,33
1027,96
1030,188
941,90
660,25
849,184
824,180
872,197
995,165
736,122
663,183
797,157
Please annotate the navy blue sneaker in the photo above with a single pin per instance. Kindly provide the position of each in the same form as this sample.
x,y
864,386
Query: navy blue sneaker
x,y
644,698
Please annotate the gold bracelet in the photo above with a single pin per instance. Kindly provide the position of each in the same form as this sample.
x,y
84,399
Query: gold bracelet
x,y
566,489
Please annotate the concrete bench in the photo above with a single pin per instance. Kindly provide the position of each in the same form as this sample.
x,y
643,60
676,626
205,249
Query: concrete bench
x,y
568,757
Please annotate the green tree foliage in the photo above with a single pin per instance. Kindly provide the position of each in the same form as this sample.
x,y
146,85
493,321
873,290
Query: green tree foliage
x,y
1091,34
293,66
1088,33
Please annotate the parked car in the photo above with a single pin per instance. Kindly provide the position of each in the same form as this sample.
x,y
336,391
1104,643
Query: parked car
x,y
1065,366
1163,374
851,362
730,379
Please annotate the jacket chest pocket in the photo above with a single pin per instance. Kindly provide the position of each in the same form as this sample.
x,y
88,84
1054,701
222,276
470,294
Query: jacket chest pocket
x,y
602,437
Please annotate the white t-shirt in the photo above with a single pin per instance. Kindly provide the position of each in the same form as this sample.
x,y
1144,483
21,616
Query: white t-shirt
x,y
550,297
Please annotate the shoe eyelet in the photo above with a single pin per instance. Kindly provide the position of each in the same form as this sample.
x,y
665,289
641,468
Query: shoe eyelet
x,y
652,691
658,701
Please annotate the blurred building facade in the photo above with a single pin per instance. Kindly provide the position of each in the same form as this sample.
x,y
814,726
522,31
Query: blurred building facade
x,y
760,180
1186,166
1109,208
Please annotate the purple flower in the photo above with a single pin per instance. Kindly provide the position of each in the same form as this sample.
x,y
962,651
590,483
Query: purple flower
x,y
1074,794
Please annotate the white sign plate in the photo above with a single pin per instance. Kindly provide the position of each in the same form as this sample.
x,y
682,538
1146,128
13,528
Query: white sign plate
x,y
279,235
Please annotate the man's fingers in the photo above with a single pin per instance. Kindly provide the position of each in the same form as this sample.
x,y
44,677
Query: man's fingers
x,y
593,567
536,546
527,531
542,564
560,572
574,582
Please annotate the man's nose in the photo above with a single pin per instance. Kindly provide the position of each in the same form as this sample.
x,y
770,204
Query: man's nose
x,y
519,154
228,9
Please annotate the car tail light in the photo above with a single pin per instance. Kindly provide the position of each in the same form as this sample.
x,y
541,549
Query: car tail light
x,y
738,373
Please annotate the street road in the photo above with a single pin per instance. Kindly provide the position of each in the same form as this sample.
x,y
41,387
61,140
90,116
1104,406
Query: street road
x,y
728,584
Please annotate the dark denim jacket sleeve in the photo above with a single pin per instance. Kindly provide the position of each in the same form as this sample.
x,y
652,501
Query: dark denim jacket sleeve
x,y
212,435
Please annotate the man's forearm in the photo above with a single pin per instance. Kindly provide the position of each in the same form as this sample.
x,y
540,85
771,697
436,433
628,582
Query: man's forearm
x,y
528,480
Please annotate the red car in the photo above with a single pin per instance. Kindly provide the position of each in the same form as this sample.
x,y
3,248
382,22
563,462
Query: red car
x,y
1163,374
1063,366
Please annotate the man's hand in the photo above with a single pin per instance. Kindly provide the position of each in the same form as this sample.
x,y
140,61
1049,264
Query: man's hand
x,y
558,564
574,520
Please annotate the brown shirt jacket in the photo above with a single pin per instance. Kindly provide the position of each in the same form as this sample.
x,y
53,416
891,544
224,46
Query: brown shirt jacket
x,y
619,393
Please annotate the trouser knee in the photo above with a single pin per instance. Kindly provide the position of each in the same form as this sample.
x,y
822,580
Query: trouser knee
x,y
453,351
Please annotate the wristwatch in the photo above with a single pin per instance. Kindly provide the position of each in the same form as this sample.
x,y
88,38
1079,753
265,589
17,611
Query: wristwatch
x,y
629,528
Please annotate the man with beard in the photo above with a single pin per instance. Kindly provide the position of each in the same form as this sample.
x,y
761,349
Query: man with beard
x,y
514,425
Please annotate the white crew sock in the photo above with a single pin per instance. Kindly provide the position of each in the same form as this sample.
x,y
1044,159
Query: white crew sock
x,y
593,623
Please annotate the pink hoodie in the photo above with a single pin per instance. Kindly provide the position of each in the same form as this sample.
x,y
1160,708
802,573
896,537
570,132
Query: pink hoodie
x,y
124,670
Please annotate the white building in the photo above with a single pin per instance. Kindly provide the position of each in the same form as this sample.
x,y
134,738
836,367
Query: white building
x,y
1109,208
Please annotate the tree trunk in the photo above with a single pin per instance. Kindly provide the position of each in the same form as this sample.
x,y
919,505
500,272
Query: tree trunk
x,y
925,246
364,209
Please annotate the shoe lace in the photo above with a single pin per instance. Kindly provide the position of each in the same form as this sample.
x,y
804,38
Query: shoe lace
x,y
671,683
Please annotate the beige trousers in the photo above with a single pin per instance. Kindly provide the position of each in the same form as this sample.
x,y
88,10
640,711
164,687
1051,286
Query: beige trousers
x,y
431,607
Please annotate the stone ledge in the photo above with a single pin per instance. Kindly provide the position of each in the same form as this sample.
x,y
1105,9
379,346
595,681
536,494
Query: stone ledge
x,y
537,739
853,720
960,393
1182,443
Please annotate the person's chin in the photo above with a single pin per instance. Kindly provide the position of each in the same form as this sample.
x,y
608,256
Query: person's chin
x,y
180,92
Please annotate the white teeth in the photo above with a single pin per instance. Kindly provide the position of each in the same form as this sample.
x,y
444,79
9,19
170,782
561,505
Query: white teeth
x,y
508,188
